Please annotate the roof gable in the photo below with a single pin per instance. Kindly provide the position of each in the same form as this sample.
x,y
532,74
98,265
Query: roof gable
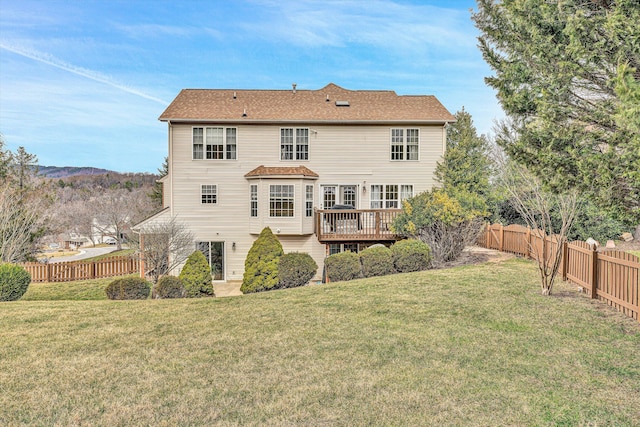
x,y
328,104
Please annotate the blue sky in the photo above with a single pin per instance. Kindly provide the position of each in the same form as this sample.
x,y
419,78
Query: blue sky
x,y
82,82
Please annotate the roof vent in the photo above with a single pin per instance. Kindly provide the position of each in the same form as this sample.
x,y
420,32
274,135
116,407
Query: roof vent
x,y
294,87
327,97
342,103
244,113
234,95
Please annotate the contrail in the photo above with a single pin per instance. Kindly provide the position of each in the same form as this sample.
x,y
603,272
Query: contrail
x,y
92,75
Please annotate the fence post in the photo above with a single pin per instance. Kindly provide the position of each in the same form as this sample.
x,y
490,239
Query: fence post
x,y
48,273
500,246
594,273
565,260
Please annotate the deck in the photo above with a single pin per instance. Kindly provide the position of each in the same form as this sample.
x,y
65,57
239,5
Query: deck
x,y
355,225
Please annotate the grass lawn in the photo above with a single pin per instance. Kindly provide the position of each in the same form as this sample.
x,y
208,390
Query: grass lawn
x,y
474,345
76,290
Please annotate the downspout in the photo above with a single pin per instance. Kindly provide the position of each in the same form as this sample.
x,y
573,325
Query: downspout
x,y
170,164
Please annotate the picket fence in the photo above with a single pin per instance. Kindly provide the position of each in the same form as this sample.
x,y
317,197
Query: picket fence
x,y
609,276
82,270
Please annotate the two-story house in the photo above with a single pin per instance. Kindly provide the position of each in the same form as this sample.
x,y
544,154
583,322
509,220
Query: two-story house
x,y
242,160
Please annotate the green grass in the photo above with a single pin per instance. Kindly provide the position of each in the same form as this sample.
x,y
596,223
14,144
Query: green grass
x,y
77,290
475,345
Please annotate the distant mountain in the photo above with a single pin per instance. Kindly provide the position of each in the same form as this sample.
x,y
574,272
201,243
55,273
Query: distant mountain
x,y
68,171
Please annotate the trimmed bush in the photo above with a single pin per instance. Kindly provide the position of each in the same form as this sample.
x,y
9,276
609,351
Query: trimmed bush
x,y
261,265
169,287
343,266
14,282
411,255
296,269
377,261
196,276
128,288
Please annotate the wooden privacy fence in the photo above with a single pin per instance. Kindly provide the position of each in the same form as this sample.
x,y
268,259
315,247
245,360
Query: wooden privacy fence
x,y
609,276
79,270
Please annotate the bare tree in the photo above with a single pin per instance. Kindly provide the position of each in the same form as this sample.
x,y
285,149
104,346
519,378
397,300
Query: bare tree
x,y
535,204
20,223
164,246
117,209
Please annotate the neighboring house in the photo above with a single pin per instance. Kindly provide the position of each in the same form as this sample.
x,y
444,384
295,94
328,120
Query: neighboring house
x,y
242,160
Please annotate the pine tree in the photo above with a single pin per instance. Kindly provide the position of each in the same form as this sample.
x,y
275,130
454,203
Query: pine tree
x,y
567,73
466,165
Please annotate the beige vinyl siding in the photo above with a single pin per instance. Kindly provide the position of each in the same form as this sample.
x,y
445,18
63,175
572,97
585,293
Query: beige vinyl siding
x,y
347,155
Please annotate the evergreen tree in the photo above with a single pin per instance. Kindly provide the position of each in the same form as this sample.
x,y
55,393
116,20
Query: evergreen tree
x,y
261,265
567,73
156,193
25,166
466,165
196,276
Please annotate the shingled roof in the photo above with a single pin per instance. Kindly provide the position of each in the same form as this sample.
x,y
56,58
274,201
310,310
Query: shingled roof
x,y
329,104
262,170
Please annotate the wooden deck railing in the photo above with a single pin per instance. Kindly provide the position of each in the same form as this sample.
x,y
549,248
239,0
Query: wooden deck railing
x,y
355,225
609,276
81,270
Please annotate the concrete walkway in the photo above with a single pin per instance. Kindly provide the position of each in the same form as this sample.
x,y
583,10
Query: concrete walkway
x,y
229,289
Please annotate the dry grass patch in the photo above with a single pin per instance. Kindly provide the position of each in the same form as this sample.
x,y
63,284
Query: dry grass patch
x,y
475,345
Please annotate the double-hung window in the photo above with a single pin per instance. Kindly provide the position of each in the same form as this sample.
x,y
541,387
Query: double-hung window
x,y
254,200
214,143
209,194
309,200
294,144
405,144
389,196
281,203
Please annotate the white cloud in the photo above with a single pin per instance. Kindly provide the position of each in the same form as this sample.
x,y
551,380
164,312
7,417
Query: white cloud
x,y
90,74
381,23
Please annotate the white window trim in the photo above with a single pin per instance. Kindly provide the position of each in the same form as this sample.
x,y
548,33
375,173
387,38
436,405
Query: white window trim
x,y
224,142
217,194
295,151
384,199
293,201
405,146
252,201
308,210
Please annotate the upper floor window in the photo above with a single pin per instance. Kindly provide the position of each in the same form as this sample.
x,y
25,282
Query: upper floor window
x,y
294,144
405,144
281,200
209,194
214,143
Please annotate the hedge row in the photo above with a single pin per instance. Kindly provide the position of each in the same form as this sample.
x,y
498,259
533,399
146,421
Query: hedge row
x,y
403,257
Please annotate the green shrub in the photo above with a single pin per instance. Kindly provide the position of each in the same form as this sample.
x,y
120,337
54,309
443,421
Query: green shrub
x,y
343,266
296,269
196,276
261,265
169,287
128,288
14,281
377,261
411,255
446,221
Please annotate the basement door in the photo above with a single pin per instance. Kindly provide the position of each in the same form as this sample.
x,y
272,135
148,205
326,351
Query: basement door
x,y
214,253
